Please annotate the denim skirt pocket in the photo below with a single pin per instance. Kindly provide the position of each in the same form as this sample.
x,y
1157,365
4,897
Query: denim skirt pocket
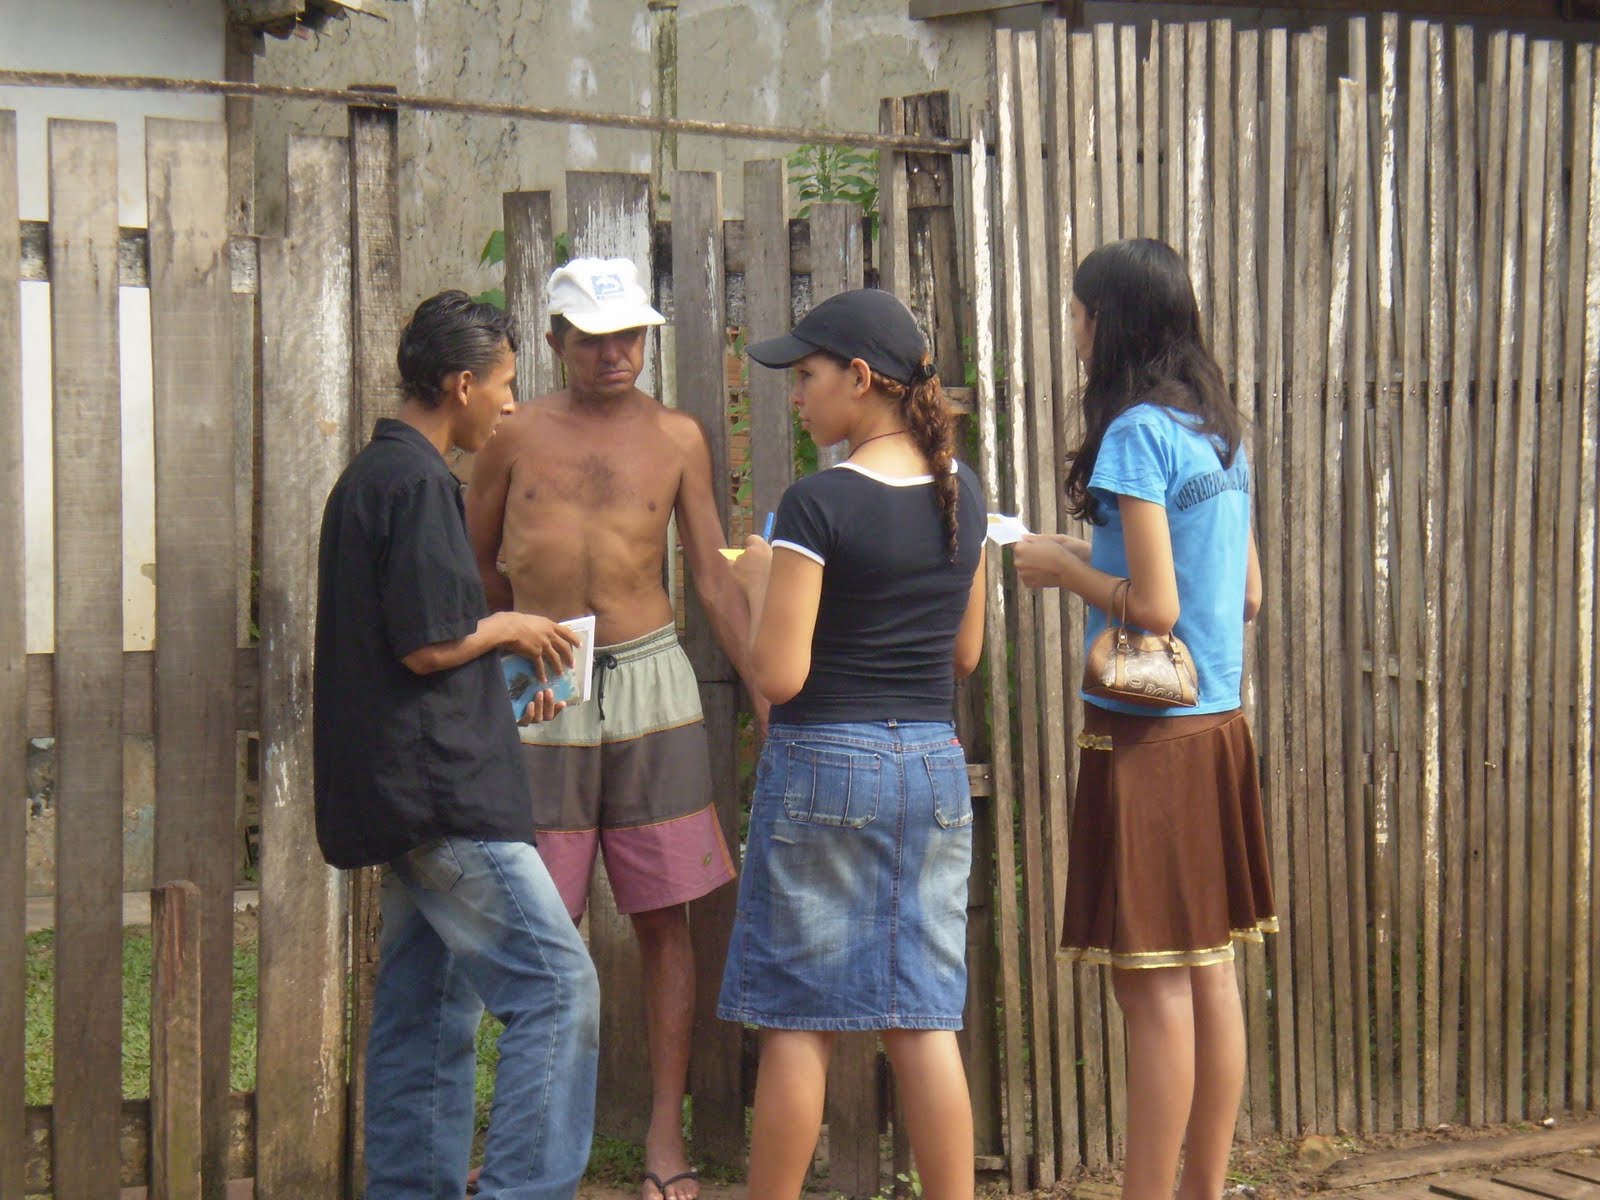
x,y
952,794
831,787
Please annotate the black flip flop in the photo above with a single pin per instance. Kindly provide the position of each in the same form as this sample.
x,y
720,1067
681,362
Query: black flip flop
x,y
663,1184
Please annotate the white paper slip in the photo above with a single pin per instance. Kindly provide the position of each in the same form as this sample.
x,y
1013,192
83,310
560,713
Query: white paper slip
x,y
571,685
1004,530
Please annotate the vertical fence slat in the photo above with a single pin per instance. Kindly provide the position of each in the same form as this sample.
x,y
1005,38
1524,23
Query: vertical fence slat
x,y
700,331
1571,559
307,439
894,245
13,688
1464,305
196,601
767,308
1357,542
88,655
1128,127
1340,377
1018,120
530,257
1310,351
1438,342
838,255
1197,163
1173,211
997,666
1383,780
1036,385
1288,980
1220,118
1247,376
1104,160
609,216
1409,466
1150,138
177,978
1491,141
1586,971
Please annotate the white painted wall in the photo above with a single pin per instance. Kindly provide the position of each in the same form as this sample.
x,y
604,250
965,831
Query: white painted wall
x,y
182,38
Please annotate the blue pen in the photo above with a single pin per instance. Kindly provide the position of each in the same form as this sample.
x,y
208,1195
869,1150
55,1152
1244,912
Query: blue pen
x,y
766,530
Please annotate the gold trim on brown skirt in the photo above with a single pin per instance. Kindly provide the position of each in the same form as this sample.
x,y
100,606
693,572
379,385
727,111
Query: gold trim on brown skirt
x,y
1167,855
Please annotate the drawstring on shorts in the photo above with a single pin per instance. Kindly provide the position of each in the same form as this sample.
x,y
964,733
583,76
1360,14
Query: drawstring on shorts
x,y
602,664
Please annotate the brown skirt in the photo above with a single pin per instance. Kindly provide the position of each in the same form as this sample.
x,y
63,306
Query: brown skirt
x,y
1167,859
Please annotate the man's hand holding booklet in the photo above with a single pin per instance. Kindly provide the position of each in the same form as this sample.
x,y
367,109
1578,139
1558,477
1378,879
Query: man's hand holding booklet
x,y
526,679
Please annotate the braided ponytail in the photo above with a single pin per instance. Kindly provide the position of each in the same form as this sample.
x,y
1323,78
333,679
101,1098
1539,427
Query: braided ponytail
x,y
922,407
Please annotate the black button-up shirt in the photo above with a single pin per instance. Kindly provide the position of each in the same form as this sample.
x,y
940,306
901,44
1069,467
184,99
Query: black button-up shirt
x,y
402,758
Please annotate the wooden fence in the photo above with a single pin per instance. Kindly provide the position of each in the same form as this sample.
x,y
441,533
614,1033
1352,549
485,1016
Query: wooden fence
x,y
1401,276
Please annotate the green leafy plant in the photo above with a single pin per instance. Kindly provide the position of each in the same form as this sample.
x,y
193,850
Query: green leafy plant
x,y
825,174
494,254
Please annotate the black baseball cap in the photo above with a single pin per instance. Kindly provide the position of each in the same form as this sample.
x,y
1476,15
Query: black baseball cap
x,y
868,324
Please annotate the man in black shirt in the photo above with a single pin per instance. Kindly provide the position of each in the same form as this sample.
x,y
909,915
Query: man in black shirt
x,y
418,765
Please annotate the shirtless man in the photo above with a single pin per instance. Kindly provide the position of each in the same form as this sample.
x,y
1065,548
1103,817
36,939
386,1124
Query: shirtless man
x,y
567,512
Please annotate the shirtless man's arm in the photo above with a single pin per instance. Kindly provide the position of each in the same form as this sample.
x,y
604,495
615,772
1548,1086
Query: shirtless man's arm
x,y
486,510
700,530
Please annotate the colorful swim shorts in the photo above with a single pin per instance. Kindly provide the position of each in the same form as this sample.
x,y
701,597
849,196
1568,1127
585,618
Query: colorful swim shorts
x,y
628,772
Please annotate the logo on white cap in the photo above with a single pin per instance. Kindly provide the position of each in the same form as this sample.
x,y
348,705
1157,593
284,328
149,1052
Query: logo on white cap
x,y
601,295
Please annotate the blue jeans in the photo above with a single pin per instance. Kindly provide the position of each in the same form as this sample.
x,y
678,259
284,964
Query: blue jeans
x,y
469,925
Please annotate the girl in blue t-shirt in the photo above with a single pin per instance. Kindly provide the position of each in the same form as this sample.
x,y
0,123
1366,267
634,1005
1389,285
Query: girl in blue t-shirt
x,y
867,605
1167,862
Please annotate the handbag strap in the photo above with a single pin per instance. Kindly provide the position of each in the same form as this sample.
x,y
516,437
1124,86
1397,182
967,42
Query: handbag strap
x,y
1120,626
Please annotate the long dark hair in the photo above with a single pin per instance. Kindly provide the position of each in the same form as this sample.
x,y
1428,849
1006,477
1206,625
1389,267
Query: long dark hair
x,y
922,407
1147,350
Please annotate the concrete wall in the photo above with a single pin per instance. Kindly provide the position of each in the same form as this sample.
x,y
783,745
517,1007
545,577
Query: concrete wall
x,y
780,62
152,37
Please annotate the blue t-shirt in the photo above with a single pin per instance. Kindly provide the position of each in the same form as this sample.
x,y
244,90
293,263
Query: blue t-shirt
x,y
1151,453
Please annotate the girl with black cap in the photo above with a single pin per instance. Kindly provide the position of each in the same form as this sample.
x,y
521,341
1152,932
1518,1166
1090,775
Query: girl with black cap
x,y
1167,859
865,608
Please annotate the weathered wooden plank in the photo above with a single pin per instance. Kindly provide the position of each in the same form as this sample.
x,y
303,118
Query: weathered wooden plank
x,y
936,292
1433,732
1018,114
1340,379
766,300
1304,521
530,257
1220,116
1572,557
1409,466
1482,772
1508,720
1289,978
1477,1189
133,257
1197,168
1417,1161
196,597
1586,933
1128,126
88,624
1246,377
1174,213
308,437
1033,272
1579,1168
995,634
838,263
1548,841
894,244
1356,549
1103,153
378,317
700,339
1150,138
138,692
1457,625
1541,1181
1383,485
13,689
608,215
177,977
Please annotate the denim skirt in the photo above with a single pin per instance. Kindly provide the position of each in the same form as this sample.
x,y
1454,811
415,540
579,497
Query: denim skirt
x,y
853,898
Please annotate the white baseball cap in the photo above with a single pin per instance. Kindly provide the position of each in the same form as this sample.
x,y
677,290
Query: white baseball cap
x,y
601,295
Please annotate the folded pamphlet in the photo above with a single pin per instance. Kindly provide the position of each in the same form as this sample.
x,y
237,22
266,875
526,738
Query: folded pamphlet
x,y
1004,530
571,685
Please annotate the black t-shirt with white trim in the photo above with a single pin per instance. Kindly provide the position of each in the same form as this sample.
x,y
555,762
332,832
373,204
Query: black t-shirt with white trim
x,y
892,600
402,758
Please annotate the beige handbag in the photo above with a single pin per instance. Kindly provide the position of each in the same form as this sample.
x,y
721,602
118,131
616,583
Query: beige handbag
x,y
1146,668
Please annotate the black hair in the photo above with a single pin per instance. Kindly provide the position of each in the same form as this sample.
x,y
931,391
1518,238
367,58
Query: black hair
x,y
450,332
1147,350
922,407
559,326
